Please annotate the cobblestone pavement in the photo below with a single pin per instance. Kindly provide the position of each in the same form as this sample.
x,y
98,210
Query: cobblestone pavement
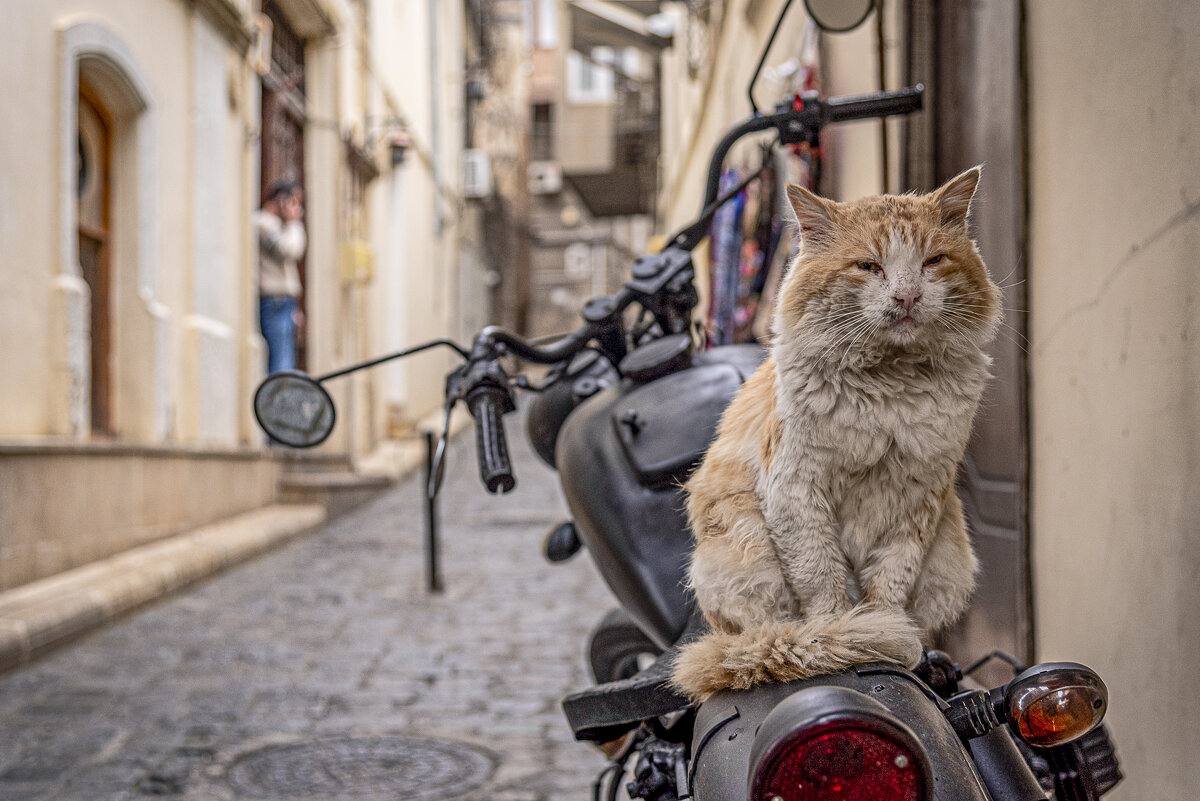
x,y
325,671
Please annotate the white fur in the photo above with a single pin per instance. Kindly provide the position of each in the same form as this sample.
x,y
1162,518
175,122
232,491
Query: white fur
x,y
848,543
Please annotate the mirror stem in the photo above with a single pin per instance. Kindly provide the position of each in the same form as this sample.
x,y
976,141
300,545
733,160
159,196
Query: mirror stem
x,y
766,51
398,355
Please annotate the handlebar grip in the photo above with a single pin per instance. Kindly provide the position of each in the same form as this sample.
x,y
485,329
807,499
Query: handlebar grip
x,y
495,470
900,101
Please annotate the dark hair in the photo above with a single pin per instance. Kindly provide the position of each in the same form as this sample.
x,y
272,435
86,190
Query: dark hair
x,y
280,189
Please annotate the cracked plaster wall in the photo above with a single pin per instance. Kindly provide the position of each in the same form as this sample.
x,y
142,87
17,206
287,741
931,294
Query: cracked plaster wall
x,y
1114,266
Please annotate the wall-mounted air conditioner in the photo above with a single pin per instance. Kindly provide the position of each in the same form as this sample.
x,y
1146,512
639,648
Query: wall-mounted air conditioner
x,y
476,173
545,177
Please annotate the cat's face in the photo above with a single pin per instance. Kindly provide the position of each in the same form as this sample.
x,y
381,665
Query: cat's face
x,y
898,271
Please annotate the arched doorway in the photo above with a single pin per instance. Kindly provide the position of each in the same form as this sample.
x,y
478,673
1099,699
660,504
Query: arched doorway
x,y
109,328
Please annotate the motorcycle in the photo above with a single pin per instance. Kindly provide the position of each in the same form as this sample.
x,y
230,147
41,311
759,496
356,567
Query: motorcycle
x,y
625,411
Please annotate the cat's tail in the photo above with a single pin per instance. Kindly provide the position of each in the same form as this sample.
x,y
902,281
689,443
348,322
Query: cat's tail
x,y
798,649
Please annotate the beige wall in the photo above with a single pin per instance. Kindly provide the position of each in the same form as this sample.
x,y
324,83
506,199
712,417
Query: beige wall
x,y
422,286
186,351
182,101
853,151
196,243
34,341
1114,282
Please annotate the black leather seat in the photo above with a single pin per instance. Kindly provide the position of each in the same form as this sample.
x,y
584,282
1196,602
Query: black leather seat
x,y
603,713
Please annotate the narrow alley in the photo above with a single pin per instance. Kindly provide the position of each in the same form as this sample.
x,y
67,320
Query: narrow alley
x,y
325,671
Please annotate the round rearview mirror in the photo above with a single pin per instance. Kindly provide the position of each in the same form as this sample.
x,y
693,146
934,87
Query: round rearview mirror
x,y
838,16
294,409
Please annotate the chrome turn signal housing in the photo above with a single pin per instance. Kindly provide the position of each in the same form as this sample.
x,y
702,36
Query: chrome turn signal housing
x,y
1055,703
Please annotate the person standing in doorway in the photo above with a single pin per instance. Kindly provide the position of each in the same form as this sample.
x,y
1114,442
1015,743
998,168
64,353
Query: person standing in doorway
x,y
281,243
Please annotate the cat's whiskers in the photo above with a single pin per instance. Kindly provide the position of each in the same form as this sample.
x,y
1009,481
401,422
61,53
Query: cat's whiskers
x,y
847,335
873,326
838,324
1000,283
844,334
953,302
1005,329
840,318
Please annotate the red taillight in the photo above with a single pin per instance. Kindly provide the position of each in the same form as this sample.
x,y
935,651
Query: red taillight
x,y
839,761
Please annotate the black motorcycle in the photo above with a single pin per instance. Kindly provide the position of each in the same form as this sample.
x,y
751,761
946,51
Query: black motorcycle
x,y
624,413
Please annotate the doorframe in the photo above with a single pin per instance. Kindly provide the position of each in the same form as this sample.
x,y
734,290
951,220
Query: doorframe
x,y
971,56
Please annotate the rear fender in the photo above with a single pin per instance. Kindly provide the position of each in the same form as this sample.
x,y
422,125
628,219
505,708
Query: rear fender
x,y
727,723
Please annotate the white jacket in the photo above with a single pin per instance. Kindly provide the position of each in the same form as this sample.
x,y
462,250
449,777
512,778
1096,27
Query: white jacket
x,y
280,246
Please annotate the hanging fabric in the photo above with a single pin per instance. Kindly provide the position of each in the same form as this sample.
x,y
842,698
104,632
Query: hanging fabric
x,y
726,257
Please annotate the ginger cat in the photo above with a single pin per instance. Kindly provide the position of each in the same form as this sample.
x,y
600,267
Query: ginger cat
x,y
828,532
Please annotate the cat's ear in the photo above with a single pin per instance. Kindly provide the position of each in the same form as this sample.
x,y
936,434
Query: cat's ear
x,y
813,213
954,197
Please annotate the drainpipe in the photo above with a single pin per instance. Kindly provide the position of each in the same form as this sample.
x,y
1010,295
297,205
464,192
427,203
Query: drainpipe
x,y
435,134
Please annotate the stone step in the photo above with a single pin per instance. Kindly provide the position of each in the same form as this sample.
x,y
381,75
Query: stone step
x,y
337,492
41,615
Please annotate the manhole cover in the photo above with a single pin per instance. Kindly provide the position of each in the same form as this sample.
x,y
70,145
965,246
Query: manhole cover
x,y
361,768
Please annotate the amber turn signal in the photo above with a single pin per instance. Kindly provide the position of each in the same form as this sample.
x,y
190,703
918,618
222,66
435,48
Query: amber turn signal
x,y
1056,702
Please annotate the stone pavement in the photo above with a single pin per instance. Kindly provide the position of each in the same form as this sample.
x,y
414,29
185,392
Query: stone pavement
x,y
324,670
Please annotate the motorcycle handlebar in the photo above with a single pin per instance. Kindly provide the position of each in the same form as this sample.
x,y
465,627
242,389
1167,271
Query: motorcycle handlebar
x,y
487,403
802,123
884,104
559,350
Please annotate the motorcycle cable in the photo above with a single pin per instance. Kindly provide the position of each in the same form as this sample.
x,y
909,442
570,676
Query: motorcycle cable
x,y
437,468
694,234
1016,664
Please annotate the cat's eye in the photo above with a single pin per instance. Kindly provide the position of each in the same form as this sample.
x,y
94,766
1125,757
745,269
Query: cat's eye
x,y
870,266
933,260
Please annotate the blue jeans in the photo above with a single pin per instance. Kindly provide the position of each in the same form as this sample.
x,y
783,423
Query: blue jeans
x,y
276,317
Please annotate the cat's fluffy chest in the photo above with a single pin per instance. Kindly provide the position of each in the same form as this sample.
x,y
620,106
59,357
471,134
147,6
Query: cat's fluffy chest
x,y
909,417
883,445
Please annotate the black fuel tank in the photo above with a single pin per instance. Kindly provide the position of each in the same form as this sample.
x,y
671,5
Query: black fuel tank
x,y
583,377
622,455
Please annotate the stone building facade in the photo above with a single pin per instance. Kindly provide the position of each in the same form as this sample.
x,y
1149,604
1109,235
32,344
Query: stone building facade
x,y
139,138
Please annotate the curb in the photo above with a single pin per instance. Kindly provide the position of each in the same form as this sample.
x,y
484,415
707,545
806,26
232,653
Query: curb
x,y
44,614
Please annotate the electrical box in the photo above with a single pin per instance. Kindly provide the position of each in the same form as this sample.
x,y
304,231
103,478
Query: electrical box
x,y
545,177
476,173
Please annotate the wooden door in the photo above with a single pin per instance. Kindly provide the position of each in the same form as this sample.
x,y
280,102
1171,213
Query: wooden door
x,y
94,223
283,116
968,53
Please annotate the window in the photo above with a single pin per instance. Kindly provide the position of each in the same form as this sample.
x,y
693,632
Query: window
x,y
590,78
542,132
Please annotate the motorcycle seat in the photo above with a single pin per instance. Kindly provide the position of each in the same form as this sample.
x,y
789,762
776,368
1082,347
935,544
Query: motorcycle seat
x,y
605,712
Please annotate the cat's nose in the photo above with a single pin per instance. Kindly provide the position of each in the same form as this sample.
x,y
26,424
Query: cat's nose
x,y
907,298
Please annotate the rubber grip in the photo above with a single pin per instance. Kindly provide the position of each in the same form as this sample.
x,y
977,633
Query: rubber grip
x,y
495,470
900,101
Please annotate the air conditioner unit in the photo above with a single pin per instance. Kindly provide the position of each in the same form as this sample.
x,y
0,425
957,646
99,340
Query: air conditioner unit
x,y
545,177
476,173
